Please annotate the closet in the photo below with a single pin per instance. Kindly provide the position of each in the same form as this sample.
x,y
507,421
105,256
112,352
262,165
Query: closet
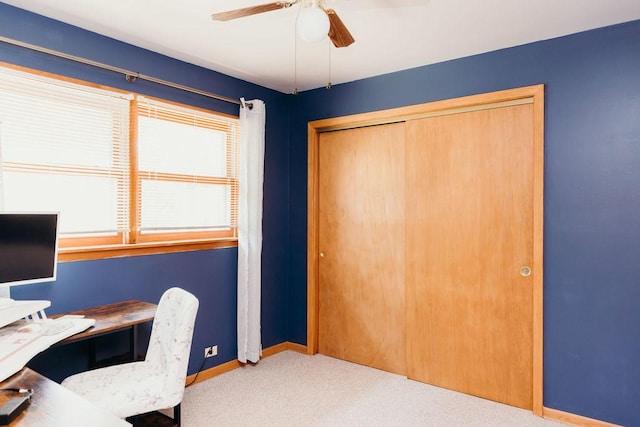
x,y
425,247
469,310
361,297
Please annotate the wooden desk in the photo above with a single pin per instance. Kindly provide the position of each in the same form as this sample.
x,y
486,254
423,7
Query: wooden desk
x,y
113,318
54,406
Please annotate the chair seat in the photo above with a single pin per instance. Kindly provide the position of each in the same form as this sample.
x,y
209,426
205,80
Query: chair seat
x,y
125,390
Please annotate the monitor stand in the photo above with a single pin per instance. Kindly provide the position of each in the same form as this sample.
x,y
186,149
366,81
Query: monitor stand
x,y
6,303
5,298
31,310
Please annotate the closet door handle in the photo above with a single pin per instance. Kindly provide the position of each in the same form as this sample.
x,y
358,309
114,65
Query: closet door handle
x,y
525,271
322,254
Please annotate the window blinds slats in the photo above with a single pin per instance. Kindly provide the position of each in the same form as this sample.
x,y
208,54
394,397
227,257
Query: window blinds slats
x,y
65,148
187,182
144,175
47,169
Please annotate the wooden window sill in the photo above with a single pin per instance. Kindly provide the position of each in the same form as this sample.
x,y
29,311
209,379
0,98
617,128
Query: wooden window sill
x,y
114,251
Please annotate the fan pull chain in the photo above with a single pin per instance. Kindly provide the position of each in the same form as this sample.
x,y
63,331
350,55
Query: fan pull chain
x,y
295,55
329,85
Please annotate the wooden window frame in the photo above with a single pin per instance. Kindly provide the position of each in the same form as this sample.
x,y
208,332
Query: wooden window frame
x,y
137,177
129,243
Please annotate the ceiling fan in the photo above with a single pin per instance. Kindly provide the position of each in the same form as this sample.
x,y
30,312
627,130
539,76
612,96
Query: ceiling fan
x,y
318,20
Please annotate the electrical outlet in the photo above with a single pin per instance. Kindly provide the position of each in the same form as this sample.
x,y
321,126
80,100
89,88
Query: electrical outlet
x,y
211,351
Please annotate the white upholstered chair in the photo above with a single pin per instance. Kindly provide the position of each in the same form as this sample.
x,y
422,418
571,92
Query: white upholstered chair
x,y
158,381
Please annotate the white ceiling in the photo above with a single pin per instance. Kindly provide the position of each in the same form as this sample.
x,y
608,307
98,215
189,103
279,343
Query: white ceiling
x,y
390,35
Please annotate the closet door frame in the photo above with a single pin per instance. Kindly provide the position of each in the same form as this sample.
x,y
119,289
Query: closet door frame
x,y
529,94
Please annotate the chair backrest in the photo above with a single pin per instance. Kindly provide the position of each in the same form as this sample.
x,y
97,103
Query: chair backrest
x,y
171,336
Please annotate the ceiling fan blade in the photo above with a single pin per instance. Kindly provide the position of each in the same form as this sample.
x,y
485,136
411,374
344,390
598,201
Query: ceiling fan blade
x,y
338,33
251,10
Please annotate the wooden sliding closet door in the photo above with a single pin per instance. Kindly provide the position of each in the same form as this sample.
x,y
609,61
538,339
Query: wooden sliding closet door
x,y
469,233
361,245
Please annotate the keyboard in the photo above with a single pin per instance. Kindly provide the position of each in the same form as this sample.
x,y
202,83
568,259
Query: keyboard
x,y
13,342
47,327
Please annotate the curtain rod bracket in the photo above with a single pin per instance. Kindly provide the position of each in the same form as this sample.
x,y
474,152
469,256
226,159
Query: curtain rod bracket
x,y
131,78
245,104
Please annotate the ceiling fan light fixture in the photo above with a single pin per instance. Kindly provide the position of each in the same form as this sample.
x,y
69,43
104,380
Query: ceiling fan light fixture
x,y
313,24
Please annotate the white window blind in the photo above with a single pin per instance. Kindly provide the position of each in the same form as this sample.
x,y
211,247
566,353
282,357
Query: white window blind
x,y
187,170
65,147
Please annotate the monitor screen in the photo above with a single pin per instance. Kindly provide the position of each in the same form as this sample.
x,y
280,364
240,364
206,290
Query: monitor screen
x,y
28,247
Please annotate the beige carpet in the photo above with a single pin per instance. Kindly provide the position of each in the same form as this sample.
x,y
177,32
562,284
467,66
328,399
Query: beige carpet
x,y
292,389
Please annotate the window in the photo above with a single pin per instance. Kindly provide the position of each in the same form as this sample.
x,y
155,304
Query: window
x,y
123,170
187,172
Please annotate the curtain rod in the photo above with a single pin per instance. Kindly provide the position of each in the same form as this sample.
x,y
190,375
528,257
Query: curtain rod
x,y
131,76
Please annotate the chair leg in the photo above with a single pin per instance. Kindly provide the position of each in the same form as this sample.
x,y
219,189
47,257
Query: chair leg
x,y
133,421
176,415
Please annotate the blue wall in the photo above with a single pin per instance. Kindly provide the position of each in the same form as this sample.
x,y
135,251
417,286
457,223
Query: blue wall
x,y
592,199
210,275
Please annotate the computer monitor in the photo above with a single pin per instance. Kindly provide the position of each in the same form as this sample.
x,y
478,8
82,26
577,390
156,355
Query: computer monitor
x,y
28,249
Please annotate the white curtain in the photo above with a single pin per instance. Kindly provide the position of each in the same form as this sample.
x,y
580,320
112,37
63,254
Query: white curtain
x,y
252,122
